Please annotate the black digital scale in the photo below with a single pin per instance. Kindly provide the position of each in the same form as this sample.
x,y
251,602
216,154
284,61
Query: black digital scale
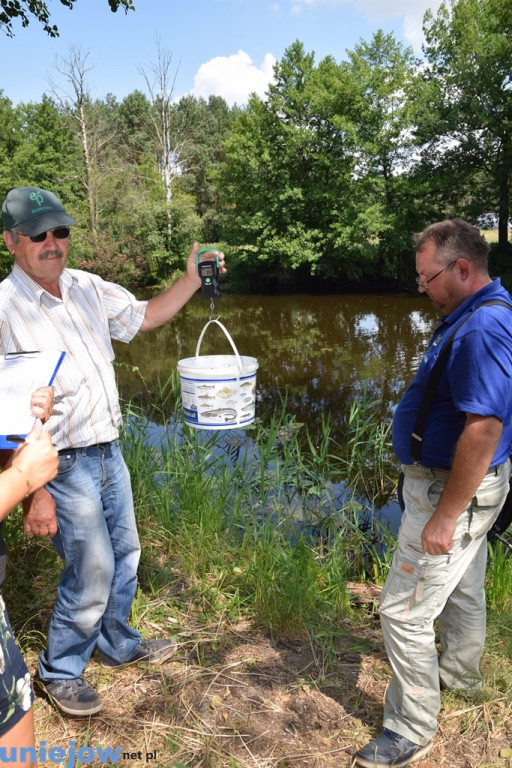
x,y
209,273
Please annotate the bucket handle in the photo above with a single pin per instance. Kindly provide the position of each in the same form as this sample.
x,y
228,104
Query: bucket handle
x,y
235,350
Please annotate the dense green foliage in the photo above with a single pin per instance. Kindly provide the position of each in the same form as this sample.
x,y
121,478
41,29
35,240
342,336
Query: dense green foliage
x,y
467,105
318,185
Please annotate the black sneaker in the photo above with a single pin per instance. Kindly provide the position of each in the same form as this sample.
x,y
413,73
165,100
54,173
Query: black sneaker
x,y
150,651
74,697
390,749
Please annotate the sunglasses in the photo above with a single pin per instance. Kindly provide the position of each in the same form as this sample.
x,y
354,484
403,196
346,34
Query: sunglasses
x,y
61,233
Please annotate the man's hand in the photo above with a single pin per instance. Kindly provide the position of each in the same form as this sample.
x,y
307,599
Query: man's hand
x,y
39,514
436,538
165,305
473,455
41,403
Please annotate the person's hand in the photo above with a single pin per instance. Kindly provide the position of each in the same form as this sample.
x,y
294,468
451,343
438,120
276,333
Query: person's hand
x,y
41,403
39,514
436,538
37,458
192,272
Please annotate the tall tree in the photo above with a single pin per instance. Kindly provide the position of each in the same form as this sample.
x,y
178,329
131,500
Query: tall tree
x,y
135,135
315,179
208,123
10,139
168,139
87,118
376,105
49,152
287,170
465,123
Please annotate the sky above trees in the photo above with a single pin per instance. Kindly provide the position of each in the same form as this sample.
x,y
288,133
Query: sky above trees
x,y
220,47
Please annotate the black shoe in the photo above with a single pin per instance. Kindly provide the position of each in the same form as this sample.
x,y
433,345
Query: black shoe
x,y
74,697
150,651
390,750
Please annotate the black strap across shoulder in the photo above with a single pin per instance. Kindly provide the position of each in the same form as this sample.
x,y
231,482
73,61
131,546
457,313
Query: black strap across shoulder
x,y
433,380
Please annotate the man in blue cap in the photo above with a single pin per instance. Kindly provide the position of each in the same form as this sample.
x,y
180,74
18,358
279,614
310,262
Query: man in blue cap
x,y
44,305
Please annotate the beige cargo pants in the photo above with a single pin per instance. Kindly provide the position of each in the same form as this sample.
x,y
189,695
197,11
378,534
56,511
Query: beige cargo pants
x,y
421,588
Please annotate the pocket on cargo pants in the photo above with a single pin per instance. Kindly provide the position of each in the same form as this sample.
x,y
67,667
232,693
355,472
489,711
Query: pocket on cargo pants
x,y
487,503
416,587
418,584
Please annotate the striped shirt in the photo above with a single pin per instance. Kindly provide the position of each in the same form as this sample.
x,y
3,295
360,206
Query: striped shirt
x,y
90,314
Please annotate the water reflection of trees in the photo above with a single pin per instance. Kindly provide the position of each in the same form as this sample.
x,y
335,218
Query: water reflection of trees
x,y
318,351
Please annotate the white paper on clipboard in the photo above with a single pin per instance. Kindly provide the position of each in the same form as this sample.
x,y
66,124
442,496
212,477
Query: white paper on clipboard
x,y
20,374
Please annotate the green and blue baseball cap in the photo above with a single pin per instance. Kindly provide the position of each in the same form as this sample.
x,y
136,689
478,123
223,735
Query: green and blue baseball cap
x,y
31,210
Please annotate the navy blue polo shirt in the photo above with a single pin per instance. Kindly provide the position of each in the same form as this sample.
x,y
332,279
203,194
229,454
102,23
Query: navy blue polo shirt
x,y
476,379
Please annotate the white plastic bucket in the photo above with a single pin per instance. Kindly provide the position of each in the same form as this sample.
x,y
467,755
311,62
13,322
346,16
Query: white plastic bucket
x,y
218,391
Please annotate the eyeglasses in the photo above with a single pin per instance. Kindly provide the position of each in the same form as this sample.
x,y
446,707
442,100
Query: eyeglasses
x,y
425,283
61,233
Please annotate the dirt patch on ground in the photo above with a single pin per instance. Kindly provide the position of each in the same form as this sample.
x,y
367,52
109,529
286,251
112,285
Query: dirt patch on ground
x,y
234,698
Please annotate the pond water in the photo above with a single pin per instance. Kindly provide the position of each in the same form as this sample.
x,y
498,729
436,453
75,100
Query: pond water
x,y
318,351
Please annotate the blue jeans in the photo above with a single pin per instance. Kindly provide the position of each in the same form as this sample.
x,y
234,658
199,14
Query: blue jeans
x,y
97,539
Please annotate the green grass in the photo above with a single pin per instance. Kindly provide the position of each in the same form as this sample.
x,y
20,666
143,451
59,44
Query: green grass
x,y
499,577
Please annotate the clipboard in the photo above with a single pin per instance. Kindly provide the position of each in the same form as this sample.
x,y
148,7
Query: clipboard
x,y
20,374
